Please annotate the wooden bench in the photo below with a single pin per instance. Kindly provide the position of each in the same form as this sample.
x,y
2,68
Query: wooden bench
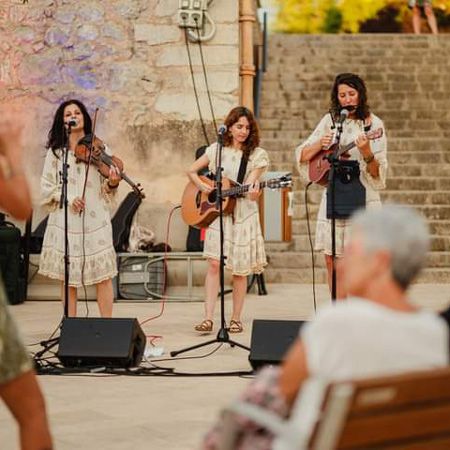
x,y
408,412
402,412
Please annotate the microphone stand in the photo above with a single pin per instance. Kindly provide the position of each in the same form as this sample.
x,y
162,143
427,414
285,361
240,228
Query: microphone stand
x,y
334,162
223,334
63,203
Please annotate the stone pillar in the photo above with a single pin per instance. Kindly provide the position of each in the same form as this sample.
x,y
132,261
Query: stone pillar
x,y
247,18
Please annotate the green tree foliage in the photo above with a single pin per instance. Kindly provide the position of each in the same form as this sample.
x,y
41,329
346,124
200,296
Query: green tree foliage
x,y
332,16
303,16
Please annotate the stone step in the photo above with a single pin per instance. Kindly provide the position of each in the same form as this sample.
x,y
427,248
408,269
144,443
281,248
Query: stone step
x,y
429,164
301,131
385,75
399,165
436,227
438,243
435,150
303,105
430,212
274,247
279,70
52,291
295,111
415,198
302,259
395,184
434,275
277,275
395,126
419,157
413,183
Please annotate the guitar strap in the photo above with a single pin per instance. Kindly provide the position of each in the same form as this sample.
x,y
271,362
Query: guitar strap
x,y
242,169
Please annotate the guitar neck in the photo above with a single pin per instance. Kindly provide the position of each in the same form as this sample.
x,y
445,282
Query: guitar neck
x,y
242,189
371,135
346,148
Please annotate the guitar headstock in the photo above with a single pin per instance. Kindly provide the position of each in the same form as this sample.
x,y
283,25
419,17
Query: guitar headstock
x,y
280,182
139,190
375,134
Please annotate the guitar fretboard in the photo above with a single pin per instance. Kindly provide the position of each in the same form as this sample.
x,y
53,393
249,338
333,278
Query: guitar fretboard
x,y
375,134
237,190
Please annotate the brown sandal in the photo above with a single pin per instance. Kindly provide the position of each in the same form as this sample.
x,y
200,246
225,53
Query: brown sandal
x,y
204,327
235,326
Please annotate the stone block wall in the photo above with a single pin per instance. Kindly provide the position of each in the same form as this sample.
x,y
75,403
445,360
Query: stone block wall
x,y
128,58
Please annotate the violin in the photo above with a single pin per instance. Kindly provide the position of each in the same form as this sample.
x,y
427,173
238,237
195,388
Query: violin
x,y
93,151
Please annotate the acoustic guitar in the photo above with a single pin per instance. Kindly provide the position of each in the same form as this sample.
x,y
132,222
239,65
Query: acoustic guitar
x,y
199,209
319,165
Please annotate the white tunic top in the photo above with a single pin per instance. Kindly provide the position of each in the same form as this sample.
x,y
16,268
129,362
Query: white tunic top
x,y
360,338
243,241
91,251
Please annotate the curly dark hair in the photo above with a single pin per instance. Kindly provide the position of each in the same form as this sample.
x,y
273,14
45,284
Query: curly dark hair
x,y
252,140
57,134
356,82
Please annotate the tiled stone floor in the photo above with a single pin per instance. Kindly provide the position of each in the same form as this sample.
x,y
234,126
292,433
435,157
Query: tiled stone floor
x,y
121,413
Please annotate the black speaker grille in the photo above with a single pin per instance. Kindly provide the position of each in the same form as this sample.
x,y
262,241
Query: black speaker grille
x,y
271,339
101,342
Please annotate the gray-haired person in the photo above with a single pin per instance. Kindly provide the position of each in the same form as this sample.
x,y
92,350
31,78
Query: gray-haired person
x,y
427,7
376,332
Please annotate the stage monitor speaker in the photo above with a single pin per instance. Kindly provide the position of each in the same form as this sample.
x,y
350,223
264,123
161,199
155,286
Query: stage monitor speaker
x,y
271,339
97,342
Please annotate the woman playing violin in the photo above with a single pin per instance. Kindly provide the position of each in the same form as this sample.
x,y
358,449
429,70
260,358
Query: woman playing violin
x,y
349,92
91,252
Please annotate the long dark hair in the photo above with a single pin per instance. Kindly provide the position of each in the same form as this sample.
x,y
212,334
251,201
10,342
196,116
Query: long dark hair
x,y
57,133
252,140
356,82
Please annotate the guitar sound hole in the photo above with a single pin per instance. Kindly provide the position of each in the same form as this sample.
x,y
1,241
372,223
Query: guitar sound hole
x,y
198,198
212,197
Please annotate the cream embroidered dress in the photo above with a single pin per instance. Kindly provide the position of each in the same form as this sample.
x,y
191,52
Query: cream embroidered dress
x,y
243,240
351,130
91,251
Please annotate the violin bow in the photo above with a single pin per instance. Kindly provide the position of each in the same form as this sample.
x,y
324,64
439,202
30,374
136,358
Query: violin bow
x,y
91,147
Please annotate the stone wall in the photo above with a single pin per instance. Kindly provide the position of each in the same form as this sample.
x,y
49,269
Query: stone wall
x,y
128,58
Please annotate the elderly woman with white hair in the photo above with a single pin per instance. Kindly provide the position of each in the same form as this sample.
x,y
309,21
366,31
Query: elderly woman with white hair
x,y
377,332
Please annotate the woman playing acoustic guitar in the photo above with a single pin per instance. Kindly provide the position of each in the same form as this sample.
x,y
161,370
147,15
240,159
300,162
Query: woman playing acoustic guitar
x,y
91,252
243,241
349,92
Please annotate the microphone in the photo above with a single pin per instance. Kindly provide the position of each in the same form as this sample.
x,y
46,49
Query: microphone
x,y
72,122
343,115
222,130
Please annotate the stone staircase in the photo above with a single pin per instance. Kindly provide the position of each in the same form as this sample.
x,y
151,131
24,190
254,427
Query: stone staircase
x,y
408,80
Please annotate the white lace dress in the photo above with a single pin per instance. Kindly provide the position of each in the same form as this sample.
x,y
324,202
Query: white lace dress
x,y
351,130
91,251
243,240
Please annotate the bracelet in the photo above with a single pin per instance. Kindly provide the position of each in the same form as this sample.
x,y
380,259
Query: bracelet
x,y
369,159
113,187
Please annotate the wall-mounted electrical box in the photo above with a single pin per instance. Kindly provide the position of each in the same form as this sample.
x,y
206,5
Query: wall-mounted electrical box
x,y
191,13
